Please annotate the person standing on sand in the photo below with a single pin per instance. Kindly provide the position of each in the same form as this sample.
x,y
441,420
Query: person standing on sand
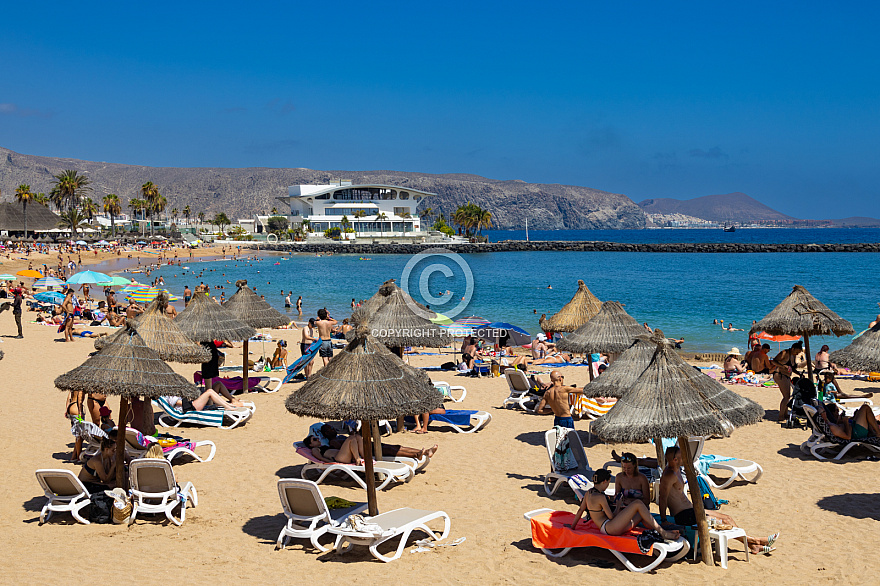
x,y
325,325
556,397
16,309
308,338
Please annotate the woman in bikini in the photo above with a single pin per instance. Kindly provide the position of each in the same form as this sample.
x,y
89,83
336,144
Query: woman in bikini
x,y
631,485
73,411
617,522
861,425
785,362
99,473
351,452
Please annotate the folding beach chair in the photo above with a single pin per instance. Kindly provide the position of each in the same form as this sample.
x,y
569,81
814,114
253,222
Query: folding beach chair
x,y
308,516
300,363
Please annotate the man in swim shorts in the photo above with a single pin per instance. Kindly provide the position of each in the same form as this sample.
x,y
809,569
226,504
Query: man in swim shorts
x,y
325,325
556,398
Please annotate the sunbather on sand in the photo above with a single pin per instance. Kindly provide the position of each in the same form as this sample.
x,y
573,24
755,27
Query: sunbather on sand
x,y
672,497
861,425
831,387
620,521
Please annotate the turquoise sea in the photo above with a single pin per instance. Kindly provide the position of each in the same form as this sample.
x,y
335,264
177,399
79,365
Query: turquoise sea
x,y
679,293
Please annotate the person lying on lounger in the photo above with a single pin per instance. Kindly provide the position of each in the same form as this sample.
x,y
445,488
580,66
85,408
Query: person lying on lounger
x,y
350,452
209,397
327,436
861,425
621,520
672,497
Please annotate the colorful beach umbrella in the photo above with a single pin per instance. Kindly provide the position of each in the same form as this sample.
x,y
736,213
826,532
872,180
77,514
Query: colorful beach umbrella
x,y
7,277
472,321
496,330
441,320
116,281
48,282
144,295
90,277
30,273
133,287
53,297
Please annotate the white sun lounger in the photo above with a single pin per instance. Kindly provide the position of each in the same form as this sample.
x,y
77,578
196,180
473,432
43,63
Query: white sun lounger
x,y
736,468
462,421
446,388
520,389
137,444
154,490
174,417
377,530
822,439
308,516
388,472
65,492
588,536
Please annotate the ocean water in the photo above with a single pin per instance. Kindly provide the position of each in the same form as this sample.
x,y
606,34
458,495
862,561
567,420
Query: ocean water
x,y
742,235
679,293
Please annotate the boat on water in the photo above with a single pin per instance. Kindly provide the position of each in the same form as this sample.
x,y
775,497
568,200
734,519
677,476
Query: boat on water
x,y
729,228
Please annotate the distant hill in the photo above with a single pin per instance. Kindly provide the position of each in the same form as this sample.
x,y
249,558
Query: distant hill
x,y
729,207
240,193
857,221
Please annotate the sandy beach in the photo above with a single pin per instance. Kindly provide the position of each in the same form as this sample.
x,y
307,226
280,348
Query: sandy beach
x,y
484,481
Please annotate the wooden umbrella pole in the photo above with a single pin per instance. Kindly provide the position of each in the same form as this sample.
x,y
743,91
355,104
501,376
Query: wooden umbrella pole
x,y
366,427
697,500
245,377
590,364
809,360
377,441
120,443
661,455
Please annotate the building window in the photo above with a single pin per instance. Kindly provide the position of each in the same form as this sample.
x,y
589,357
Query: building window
x,y
401,211
404,195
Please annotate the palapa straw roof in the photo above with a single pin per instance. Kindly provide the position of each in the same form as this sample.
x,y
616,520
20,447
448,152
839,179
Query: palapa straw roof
x,y
622,374
671,399
203,320
582,307
396,325
246,306
862,354
365,381
127,367
802,314
611,330
372,305
161,333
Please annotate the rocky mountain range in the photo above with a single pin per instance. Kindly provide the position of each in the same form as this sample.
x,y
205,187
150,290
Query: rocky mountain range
x,y
240,193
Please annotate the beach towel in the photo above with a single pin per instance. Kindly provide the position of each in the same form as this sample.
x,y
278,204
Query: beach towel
x,y
551,531
707,459
232,383
459,417
563,457
561,364
301,362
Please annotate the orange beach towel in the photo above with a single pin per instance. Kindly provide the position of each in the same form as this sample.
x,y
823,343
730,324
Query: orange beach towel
x,y
549,532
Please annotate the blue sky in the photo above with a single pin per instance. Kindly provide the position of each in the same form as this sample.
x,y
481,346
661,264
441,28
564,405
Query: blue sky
x,y
648,99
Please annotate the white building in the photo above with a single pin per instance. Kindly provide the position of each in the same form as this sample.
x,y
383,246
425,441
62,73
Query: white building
x,y
385,210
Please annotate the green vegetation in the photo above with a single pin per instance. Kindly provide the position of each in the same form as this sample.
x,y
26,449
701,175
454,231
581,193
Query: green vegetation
x,y
24,195
472,218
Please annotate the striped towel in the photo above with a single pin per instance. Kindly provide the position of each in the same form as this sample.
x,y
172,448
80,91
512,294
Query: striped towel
x,y
212,418
583,406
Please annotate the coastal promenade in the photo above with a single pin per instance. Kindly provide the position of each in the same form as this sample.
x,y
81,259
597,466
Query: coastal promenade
x,y
567,246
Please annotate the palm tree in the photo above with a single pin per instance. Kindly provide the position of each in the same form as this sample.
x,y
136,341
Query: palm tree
x,y
72,219
380,217
68,189
151,194
358,214
159,206
201,217
42,199
221,220
426,214
483,219
24,195
89,209
113,208
186,213
307,225
174,213
274,211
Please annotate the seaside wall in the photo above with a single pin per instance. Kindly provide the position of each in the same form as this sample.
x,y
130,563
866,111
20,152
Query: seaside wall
x,y
563,246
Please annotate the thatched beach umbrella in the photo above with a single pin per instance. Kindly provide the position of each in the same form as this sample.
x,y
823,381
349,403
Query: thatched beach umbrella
x,y
801,314
581,309
129,368
668,400
396,325
371,305
161,334
248,308
863,353
612,330
622,374
364,382
203,320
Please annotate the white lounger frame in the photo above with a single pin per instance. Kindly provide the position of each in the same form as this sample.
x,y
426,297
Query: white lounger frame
x,y
440,385
662,550
819,441
169,498
74,499
479,420
388,471
310,527
347,538
737,468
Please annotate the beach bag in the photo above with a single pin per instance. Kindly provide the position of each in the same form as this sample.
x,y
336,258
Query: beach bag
x,y
448,366
709,501
122,507
563,457
100,511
